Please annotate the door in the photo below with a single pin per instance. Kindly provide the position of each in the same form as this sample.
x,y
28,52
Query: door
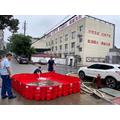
x,y
71,62
103,70
92,70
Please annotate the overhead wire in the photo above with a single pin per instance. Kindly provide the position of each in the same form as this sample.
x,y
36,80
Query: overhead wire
x,y
63,20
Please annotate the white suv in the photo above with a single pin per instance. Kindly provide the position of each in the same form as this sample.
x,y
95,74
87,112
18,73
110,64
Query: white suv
x,y
109,72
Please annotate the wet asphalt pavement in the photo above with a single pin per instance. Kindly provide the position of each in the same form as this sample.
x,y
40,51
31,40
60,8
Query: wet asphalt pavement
x,y
29,68
74,99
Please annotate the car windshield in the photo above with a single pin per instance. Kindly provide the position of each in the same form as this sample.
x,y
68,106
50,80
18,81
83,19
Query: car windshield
x,y
101,66
119,67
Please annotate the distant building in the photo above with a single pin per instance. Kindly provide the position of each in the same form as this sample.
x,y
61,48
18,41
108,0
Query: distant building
x,y
1,39
41,47
34,39
81,40
113,56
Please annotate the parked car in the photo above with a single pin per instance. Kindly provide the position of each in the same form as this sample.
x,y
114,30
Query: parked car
x,y
22,60
43,62
110,73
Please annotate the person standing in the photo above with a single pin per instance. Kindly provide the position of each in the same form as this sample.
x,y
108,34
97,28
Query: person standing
x,y
0,58
51,64
0,61
5,73
0,69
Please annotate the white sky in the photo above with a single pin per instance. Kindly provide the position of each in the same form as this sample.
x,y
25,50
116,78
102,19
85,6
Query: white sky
x,y
37,25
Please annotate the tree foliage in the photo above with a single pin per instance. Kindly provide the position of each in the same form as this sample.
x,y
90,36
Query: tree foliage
x,y
21,45
8,47
2,52
8,21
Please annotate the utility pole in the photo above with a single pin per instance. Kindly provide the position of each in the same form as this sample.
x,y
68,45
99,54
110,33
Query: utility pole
x,y
24,27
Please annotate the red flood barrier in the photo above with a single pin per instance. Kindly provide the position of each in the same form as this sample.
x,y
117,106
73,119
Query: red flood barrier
x,y
46,86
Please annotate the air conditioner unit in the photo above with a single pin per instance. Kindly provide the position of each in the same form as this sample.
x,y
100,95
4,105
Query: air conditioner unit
x,y
78,46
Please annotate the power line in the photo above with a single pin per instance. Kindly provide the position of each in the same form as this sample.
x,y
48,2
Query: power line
x,y
66,17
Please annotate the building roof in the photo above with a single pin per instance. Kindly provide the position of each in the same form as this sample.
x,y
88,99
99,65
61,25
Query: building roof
x,y
88,16
99,19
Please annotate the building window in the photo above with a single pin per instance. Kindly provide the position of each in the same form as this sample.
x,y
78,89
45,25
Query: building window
x,y
46,44
56,48
73,35
80,49
52,48
65,55
60,47
73,45
52,42
60,39
60,55
66,46
81,27
80,39
66,37
56,40
49,43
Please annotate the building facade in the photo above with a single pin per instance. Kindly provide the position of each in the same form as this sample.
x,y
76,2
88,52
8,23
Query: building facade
x,y
81,40
1,39
113,56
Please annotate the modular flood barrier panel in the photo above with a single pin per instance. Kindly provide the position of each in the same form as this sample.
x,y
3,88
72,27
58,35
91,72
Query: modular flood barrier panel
x,y
45,86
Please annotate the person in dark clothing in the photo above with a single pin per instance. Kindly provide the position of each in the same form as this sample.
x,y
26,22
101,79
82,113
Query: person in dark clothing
x,y
51,64
38,70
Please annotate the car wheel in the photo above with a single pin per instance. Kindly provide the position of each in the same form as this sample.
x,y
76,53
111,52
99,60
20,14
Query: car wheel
x,y
111,82
82,75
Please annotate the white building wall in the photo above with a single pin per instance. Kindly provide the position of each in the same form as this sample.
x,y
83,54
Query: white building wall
x,y
89,50
57,60
98,50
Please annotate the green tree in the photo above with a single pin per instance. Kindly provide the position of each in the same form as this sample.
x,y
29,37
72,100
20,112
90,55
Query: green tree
x,y
21,45
8,47
2,52
8,21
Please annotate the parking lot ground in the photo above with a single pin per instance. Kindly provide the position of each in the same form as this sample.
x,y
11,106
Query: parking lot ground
x,y
74,99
